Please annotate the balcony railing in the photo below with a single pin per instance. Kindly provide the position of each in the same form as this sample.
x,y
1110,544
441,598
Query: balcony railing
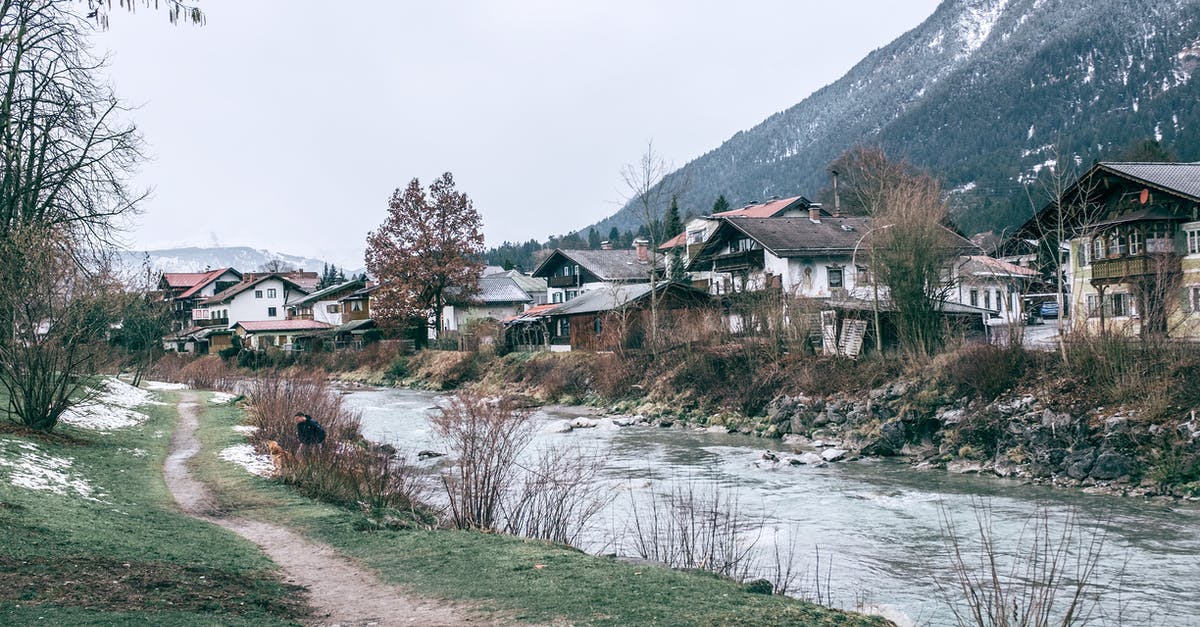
x,y
1125,268
745,260
563,281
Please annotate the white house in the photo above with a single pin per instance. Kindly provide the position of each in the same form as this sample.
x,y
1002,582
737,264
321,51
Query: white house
x,y
324,305
569,273
499,297
992,284
185,290
265,297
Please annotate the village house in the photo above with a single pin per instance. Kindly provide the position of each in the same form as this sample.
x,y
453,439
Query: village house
x,y
994,285
185,290
613,318
257,297
534,286
570,273
286,335
1133,232
498,297
324,305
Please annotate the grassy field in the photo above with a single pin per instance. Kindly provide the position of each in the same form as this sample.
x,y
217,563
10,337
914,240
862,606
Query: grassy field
x,y
110,549
527,581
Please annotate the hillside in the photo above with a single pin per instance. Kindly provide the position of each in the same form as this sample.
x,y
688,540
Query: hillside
x,y
194,259
979,93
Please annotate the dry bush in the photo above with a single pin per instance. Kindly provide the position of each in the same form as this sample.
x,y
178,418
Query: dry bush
x,y
377,482
693,526
275,399
1048,578
168,367
443,370
209,372
486,437
556,496
981,371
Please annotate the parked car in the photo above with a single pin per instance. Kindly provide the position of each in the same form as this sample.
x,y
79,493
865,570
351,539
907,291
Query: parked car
x,y
1048,311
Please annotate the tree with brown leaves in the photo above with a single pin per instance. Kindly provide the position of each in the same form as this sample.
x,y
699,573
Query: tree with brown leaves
x,y
428,244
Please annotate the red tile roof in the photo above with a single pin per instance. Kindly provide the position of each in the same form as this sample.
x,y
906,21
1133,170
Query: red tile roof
x,y
282,325
184,279
678,240
207,277
764,210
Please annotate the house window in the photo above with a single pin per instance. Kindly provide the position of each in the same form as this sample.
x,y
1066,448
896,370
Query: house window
x,y
271,312
1116,245
987,299
835,276
558,297
1098,248
862,276
1118,305
1115,306
1085,256
739,245
1191,299
974,298
271,292
356,305
572,294
1135,242
1193,242
999,301
1158,238
695,237
258,293
1093,305
597,325
331,309
562,327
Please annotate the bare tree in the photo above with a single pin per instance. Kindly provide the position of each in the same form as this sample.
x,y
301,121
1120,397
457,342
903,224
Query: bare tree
x,y
58,318
865,175
648,189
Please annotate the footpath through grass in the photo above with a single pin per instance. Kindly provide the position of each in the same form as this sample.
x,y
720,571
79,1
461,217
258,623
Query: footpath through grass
x,y
522,580
102,544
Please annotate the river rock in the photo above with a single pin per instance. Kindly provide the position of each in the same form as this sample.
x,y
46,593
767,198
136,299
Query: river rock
x,y
583,423
964,467
770,456
1079,463
810,458
717,429
832,454
795,439
1110,465
952,416
624,421
557,426
606,424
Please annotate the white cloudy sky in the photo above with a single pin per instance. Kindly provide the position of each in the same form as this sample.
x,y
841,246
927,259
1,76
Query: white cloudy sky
x,y
286,125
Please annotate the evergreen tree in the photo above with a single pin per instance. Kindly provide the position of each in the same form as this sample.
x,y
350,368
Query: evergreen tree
x,y
614,237
341,276
593,239
674,227
721,204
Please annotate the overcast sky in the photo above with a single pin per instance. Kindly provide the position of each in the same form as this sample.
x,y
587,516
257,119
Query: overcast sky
x,y
286,125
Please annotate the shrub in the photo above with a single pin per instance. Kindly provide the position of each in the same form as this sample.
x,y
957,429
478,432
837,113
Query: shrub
x,y
229,353
981,371
207,373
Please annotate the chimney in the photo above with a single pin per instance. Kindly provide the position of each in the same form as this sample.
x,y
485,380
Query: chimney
x,y
643,249
606,245
837,200
814,213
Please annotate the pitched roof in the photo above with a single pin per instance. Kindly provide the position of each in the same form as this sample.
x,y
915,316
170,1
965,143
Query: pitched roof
x,y
501,289
607,265
981,265
185,279
678,240
322,294
245,285
258,326
603,299
791,237
768,209
528,283
209,277
1180,178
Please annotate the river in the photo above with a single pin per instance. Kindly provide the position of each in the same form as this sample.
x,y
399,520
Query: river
x,y
879,525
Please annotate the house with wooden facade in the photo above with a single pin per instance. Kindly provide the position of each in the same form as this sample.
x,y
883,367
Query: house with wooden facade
x,y
324,305
571,273
1133,234
618,317
185,290
286,335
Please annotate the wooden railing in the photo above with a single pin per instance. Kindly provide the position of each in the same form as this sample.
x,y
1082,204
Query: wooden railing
x,y
1133,267
563,281
745,260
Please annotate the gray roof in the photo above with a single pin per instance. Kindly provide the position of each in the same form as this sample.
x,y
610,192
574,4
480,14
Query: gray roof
x,y
1181,178
607,265
528,283
791,237
604,299
501,289
332,289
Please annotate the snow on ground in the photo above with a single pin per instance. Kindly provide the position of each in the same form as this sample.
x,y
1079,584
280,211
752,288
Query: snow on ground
x,y
112,408
243,455
245,429
163,385
221,398
30,468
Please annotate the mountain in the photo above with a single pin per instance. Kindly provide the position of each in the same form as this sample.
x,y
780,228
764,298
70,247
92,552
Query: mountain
x,y
196,259
980,94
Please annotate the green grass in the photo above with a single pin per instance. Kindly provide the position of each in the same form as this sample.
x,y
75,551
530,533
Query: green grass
x,y
128,557
500,573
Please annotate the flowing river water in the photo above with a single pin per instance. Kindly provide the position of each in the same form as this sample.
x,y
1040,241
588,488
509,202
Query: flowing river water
x,y
879,525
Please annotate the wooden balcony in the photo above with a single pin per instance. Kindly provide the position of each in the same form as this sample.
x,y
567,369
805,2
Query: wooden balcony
x,y
1123,269
212,322
735,262
563,281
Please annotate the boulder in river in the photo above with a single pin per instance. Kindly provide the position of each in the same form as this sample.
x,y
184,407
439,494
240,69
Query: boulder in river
x,y
832,454
557,426
810,458
583,423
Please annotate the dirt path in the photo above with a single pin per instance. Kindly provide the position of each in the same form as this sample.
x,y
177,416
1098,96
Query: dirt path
x,y
341,591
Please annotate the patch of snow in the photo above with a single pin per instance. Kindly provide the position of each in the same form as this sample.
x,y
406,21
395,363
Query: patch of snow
x,y
1135,105
133,452
964,188
221,398
245,429
976,24
243,455
112,408
31,468
1158,135
163,385
1029,135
